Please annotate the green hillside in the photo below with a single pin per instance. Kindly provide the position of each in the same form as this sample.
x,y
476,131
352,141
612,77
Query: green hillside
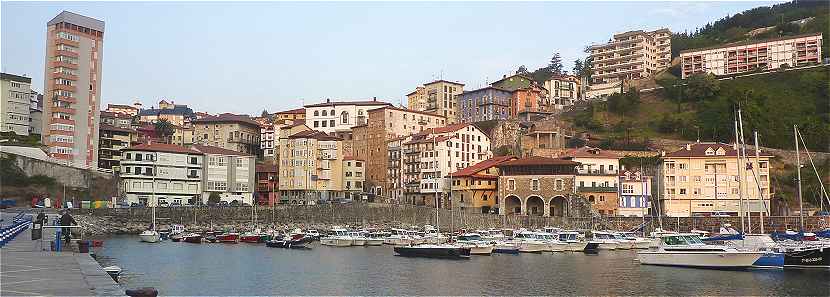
x,y
702,107
782,17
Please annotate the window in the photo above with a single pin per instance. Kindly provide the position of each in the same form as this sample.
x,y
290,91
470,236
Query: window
x,y
344,117
682,191
316,113
534,185
511,184
331,123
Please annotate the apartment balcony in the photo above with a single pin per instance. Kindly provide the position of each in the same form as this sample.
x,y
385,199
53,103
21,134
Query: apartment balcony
x,y
67,42
63,87
72,100
618,73
61,121
65,76
66,53
618,65
63,64
597,172
63,110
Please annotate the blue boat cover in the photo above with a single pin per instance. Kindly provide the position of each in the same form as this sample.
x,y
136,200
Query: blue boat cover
x,y
724,237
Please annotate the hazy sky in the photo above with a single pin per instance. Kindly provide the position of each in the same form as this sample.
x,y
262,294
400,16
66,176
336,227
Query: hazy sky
x,y
243,57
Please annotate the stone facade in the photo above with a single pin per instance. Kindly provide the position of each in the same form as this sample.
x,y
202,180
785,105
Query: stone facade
x,y
552,198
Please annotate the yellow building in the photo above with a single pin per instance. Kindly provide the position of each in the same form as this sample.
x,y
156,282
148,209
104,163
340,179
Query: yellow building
x,y
228,131
311,168
183,135
475,188
439,97
706,178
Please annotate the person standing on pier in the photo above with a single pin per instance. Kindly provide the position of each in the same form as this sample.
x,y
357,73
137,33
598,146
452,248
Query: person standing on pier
x,y
67,220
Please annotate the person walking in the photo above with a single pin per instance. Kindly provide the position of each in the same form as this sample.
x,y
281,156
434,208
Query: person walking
x,y
67,220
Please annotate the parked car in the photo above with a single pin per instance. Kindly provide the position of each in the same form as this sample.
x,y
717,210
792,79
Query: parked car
x,y
822,213
720,214
164,204
223,203
175,204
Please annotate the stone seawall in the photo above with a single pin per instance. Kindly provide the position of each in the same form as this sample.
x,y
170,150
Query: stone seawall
x,y
133,220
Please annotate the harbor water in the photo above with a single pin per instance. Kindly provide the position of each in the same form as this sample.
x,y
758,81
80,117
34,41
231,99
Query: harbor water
x,y
176,268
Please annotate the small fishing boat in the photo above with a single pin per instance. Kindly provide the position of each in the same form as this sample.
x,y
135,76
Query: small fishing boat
x,y
505,247
528,243
192,238
635,242
476,244
296,241
357,238
338,237
808,257
151,236
229,237
687,250
552,242
374,238
440,251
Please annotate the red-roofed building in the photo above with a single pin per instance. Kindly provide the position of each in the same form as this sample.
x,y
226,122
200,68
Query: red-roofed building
x,y
596,177
475,188
429,156
290,115
537,186
339,116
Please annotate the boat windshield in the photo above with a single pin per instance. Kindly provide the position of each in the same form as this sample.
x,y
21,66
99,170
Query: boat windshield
x,y
567,236
470,237
682,240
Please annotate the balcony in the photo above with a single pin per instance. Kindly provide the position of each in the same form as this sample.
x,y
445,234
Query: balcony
x,y
66,53
65,76
63,110
63,87
63,64
67,42
597,172
597,189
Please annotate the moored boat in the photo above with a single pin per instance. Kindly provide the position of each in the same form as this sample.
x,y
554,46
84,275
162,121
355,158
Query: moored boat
x,y
572,242
230,237
338,237
476,244
606,240
192,238
687,250
440,251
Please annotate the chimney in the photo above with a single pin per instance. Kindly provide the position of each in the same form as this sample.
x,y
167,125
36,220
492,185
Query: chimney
x,y
375,98
328,100
688,147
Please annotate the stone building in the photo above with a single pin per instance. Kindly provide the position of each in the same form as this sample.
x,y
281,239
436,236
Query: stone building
x,y
537,186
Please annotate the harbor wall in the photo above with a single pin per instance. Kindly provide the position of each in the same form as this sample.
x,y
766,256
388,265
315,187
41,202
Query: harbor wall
x,y
134,220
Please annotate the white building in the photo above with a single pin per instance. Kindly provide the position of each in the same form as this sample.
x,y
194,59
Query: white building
x,y
268,140
635,194
338,117
596,177
15,100
161,174
629,55
230,174
755,55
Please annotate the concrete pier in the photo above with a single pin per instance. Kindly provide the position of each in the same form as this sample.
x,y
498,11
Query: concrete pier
x,y
26,270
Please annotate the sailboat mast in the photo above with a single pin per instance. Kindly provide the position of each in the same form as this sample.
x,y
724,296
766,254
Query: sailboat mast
x,y
757,182
435,174
798,178
742,172
738,171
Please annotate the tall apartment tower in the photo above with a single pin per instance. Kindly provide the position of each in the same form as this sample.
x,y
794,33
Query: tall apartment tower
x,y
72,88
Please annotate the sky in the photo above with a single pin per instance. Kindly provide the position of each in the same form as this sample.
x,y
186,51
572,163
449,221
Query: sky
x,y
246,57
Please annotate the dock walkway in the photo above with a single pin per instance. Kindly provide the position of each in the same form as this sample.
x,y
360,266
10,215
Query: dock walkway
x,y
25,270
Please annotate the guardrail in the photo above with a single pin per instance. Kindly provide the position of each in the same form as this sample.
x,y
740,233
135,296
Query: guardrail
x,y
19,224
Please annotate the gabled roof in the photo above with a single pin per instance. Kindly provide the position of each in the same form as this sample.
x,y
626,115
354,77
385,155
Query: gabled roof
x,y
699,150
444,81
163,147
475,168
314,134
359,103
227,118
293,111
212,150
536,161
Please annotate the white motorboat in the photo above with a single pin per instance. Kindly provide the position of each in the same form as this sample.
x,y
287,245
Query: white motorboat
x,y
357,238
339,237
635,241
528,243
491,234
431,235
151,236
476,244
687,250
571,240
374,238
606,240
552,242
398,237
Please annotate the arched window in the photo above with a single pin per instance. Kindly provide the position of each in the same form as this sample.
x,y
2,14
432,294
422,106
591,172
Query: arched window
x,y
332,112
344,117
316,114
324,113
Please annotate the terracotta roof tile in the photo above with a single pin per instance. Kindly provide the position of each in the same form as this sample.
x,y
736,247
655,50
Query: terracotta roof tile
x,y
163,147
206,149
536,160
472,170
227,117
293,111
333,103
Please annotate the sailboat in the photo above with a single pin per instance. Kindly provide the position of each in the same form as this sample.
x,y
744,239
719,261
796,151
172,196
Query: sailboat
x,y
152,235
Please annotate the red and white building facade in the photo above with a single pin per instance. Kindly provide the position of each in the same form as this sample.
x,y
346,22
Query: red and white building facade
x,y
743,57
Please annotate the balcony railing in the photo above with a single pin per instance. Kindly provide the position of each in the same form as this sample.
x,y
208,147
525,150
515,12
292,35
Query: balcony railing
x,y
598,189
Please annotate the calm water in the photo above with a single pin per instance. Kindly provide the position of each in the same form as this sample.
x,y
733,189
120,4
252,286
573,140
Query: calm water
x,y
243,269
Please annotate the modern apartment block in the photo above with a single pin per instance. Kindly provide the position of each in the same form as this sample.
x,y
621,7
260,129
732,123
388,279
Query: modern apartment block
x,y
635,194
435,153
564,90
15,103
311,168
112,141
438,97
229,131
230,174
369,142
705,177
629,55
121,120
335,117
596,177
162,174
72,86
753,55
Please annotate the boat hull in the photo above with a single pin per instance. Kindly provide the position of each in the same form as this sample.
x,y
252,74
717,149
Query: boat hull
x,y
374,241
337,242
150,236
358,242
433,252
770,260
575,246
719,260
530,247
227,238
192,239
287,244
482,250
818,257
608,246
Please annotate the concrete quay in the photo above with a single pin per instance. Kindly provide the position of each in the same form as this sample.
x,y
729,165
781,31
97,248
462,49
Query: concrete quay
x,y
26,270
